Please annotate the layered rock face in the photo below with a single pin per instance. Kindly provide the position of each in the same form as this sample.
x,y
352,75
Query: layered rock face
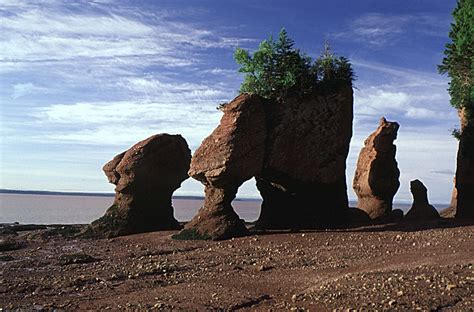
x,y
145,176
303,181
376,180
232,154
421,208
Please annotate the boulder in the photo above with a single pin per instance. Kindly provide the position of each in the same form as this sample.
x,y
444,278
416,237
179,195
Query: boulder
x,y
421,208
232,154
303,181
145,176
376,180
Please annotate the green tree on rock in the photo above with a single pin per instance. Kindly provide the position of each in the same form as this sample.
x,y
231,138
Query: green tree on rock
x,y
458,63
278,67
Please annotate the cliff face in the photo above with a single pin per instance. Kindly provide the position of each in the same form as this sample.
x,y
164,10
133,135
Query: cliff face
x,y
295,147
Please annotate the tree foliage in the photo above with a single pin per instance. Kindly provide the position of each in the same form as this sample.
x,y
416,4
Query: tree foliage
x,y
458,61
277,67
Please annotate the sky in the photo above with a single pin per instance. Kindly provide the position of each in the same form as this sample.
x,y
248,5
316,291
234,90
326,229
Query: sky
x,y
81,81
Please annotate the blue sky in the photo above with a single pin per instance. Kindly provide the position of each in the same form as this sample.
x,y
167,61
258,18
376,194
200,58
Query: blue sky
x,y
82,81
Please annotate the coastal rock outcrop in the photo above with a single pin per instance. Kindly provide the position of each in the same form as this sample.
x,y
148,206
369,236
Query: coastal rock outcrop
x,y
303,181
376,180
421,208
145,176
232,154
296,148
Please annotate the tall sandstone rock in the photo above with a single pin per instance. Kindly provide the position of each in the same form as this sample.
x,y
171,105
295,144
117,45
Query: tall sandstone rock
x,y
303,181
232,154
145,176
376,180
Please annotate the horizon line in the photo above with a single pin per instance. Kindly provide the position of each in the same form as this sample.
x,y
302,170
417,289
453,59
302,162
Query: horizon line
x,y
197,197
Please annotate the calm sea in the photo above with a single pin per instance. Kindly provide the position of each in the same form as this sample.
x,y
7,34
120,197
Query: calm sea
x,y
68,209
71,209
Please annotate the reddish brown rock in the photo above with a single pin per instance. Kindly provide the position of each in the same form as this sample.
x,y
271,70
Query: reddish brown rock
x,y
145,177
110,168
376,179
450,212
421,208
232,154
303,182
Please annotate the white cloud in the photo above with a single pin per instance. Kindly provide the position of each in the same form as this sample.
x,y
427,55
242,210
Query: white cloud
x,y
401,93
172,91
50,34
382,29
118,112
383,100
115,123
22,89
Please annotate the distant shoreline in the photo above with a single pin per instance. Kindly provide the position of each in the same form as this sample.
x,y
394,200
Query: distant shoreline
x,y
439,206
57,193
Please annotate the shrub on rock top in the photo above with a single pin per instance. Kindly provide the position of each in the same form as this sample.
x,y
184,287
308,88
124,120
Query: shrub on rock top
x,y
278,67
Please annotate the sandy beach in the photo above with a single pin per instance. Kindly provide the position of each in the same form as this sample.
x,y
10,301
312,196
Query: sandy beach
x,y
389,267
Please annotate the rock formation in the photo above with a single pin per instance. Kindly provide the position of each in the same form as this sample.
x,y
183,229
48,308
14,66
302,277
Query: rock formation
x,y
421,208
232,154
145,176
295,147
303,181
376,177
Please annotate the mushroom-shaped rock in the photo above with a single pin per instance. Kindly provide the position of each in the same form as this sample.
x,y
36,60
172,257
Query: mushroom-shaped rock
x,y
232,154
421,208
145,176
376,180
303,182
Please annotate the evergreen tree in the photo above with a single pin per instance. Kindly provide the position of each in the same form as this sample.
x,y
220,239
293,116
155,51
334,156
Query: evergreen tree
x,y
278,67
458,63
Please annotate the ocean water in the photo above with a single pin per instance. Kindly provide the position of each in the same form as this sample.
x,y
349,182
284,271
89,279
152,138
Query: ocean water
x,y
72,209
69,209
